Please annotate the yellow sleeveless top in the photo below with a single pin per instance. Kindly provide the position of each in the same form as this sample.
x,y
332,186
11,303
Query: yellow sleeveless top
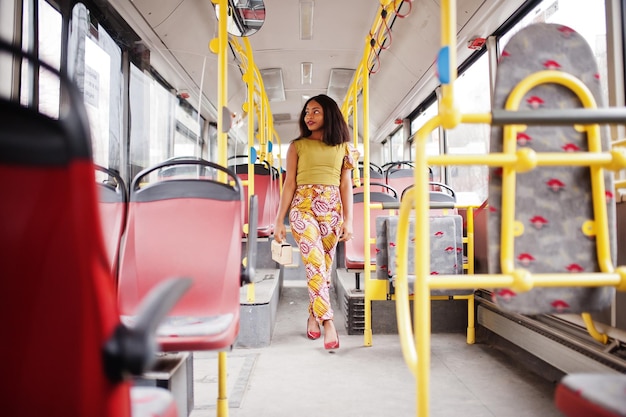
x,y
319,163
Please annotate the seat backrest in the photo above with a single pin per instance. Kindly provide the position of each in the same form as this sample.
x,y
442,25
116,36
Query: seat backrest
x,y
373,173
400,178
355,248
113,203
377,187
444,195
59,304
267,188
189,227
446,248
553,205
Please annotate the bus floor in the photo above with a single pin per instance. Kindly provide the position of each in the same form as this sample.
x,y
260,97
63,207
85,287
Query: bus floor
x,y
295,376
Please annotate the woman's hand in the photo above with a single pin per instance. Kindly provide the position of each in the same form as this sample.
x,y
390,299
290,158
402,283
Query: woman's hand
x,y
280,232
346,232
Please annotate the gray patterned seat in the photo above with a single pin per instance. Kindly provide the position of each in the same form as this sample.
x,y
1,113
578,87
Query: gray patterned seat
x,y
554,212
553,204
446,247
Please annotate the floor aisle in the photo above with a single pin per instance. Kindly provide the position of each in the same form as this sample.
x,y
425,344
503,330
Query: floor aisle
x,y
296,377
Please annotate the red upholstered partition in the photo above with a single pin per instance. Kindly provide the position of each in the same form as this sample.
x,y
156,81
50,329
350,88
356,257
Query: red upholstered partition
x,y
58,306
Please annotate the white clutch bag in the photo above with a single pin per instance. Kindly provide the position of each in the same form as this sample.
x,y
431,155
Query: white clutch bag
x,y
282,253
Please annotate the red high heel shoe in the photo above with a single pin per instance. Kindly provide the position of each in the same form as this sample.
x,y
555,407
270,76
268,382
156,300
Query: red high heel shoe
x,y
334,344
312,335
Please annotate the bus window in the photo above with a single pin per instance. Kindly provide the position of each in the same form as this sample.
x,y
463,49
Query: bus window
x,y
432,145
586,18
49,49
472,95
396,145
95,64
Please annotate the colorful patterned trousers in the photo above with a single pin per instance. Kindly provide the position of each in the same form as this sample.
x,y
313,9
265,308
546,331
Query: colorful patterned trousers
x,y
316,218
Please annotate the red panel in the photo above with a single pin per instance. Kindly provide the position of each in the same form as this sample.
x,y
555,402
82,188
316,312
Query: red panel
x,y
61,307
268,194
355,248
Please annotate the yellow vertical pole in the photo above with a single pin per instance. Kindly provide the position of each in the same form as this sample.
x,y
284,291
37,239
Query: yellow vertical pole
x,y
449,114
222,395
222,149
449,117
367,274
470,240
222,84
250,108
372,287
421,297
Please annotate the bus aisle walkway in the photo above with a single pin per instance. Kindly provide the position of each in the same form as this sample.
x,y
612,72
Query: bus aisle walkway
x,y
295,376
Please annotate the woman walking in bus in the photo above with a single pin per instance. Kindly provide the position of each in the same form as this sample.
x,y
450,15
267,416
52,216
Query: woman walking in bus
x,y
318,194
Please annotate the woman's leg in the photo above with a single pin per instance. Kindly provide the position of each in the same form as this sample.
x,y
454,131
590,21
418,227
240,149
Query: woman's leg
x,y
330,227
315,224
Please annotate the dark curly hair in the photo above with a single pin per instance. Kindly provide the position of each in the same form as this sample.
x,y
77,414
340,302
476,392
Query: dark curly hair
x,y
336,129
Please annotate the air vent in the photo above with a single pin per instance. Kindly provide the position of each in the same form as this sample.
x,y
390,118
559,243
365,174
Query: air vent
x,y
273,83
281,117
339,82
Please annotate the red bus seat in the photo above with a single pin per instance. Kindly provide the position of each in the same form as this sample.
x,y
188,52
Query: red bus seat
x,y
59,311
188,227
355,248
267,189
113,201
400,178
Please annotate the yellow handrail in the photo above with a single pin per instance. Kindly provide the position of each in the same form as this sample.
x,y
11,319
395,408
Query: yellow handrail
x,y
418,357
257,104
591,328
360,84
416,349
403,310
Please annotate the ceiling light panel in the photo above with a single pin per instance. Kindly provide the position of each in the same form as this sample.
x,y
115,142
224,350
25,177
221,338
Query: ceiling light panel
x,y
306,20
306,73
